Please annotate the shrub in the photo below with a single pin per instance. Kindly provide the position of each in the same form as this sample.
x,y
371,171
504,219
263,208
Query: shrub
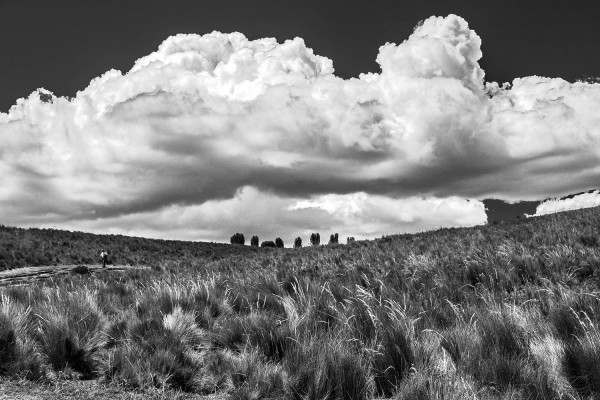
x,y
279,242
350,239
334,238
81,269
298,242
254,241
315,239
238,238
268,243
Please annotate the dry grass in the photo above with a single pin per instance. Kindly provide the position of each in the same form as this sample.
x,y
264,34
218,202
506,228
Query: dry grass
x,y
508,311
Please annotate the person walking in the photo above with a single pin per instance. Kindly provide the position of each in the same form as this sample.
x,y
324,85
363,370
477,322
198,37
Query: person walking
x,y
104,257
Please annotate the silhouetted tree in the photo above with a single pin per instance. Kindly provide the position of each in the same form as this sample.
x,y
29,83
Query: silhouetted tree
x,y
238,238
350,239
279,242
298,242
334,238
315,239
254,241
268,243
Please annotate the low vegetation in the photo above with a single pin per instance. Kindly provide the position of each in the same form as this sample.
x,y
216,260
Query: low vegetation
x,y
35,247
505,311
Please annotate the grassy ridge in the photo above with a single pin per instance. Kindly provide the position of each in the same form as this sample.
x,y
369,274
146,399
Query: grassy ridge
x,y
508,311
34,247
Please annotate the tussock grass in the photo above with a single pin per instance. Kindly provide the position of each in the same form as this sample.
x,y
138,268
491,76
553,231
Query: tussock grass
x,y
395,349
583,358
19,353
254,377
327,367
508,311
433,386
70,330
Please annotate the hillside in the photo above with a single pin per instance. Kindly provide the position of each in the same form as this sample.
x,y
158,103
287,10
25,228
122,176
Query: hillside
x,y
502,311
35,247
499,210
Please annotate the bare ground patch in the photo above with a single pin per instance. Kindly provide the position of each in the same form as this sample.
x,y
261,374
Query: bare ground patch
x,y
80,390
26,275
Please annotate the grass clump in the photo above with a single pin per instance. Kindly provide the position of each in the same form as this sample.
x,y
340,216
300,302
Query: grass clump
x,y
582,359
328,368
70,331
19,353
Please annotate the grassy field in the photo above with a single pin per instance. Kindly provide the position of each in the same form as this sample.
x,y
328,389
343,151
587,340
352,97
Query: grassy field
x,y
35,247
506,311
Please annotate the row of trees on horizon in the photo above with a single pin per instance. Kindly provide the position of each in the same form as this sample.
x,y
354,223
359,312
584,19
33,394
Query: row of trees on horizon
x,y
315,240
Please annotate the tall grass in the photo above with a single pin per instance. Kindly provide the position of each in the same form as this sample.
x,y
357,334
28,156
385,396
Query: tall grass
x,y
19,352
509,311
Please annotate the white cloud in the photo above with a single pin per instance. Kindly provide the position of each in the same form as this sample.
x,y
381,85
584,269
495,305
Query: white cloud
x,y
365,216
253,212
584,200
206,115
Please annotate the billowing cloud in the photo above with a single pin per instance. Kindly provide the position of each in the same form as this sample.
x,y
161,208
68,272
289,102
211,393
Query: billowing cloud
x,y
193,123
365,216
253,212
584,200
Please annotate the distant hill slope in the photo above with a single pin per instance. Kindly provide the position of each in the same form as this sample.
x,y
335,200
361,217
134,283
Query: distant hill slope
x,y
499,210
33,247
500,308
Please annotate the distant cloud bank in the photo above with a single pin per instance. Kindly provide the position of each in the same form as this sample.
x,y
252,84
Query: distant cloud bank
x,y
584,200
215,133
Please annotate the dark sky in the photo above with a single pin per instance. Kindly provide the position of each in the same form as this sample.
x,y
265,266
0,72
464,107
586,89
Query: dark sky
x,y
498,210
61,45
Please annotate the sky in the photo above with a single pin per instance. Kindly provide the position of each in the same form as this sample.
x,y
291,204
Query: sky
x,y
196,120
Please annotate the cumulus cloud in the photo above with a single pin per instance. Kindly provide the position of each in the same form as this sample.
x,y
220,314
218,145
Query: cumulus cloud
x,y
251,211
584,200
204,116
365,216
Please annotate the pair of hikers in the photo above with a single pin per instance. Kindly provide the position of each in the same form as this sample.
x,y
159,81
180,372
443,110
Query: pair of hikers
x,y
104,257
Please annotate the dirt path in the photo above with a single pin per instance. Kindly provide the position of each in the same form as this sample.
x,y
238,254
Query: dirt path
x,y
22,276
84,390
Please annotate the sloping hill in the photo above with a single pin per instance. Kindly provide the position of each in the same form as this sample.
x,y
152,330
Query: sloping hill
x,y
44,247
499,210
507,310
36,247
